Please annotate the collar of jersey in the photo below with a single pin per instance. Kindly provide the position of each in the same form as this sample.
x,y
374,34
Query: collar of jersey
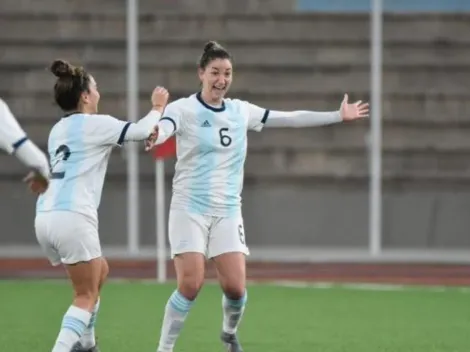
x,y
207,106
71,113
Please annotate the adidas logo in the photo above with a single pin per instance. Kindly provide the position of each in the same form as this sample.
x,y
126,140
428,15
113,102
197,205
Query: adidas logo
x,y
206,124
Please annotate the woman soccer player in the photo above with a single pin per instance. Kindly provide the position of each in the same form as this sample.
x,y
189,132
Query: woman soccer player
x,y
205,219
66,223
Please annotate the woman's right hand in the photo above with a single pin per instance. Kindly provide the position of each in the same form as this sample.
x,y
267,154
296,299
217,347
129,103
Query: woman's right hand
x,y
159,98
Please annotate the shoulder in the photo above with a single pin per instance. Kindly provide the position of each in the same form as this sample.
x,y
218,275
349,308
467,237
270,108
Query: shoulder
x,y
98,118
233,102
86,118
236,104
93,121
3,105
238,107
180,106
181,111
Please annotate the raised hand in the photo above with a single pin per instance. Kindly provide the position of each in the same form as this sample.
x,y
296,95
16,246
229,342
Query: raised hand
x,y
355,111
159,98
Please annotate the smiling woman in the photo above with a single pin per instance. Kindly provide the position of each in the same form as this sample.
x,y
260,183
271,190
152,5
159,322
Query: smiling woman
x,y
205,219
215,73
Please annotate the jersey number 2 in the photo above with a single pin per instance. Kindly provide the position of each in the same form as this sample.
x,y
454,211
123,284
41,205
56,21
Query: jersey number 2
x,y
225,139
61,154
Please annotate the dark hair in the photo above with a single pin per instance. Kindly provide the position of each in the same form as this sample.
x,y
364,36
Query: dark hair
x,y
212,51
71,83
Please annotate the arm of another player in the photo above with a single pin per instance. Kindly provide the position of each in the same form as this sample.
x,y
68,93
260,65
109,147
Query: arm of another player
x,y
167,127
303,118
143,129
108,130
15,142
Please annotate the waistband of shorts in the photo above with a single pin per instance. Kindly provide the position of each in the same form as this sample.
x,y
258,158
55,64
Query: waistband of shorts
x,y
215,213
59,211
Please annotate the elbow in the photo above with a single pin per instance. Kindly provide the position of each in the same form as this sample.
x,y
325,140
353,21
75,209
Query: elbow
x,y
138,132
146,131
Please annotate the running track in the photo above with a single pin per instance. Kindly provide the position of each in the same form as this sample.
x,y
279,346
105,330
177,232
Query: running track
x,y
419,274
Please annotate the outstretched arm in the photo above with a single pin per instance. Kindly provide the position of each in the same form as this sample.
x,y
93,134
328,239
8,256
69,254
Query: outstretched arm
x,y
142,129
109,131
301,118
304,118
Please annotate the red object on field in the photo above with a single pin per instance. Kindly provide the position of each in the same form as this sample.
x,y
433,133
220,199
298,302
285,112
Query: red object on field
x,y
165,150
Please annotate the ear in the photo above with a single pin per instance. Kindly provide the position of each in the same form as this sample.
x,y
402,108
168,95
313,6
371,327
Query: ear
x,y
85,98
200,72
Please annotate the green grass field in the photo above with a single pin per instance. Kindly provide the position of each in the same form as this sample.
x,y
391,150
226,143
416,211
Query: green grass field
x,y
277,319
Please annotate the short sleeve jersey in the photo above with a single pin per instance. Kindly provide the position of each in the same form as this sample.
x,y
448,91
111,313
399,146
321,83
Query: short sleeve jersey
x,y
211,144
79,147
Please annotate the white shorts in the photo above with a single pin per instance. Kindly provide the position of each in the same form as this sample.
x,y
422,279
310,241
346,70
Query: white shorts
x,y
209,235
67,237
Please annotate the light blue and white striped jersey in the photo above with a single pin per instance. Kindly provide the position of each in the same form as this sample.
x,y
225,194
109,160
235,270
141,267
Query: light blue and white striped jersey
x,y
211,146
79,147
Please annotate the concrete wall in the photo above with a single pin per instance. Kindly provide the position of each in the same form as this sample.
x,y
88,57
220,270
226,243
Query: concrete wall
x,y
294,214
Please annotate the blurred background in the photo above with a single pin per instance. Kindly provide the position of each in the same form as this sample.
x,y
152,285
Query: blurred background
x,y
307,194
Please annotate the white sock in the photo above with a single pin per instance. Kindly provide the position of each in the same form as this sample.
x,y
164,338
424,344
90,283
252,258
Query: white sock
x,y
74,323
88,338
176,310
233,312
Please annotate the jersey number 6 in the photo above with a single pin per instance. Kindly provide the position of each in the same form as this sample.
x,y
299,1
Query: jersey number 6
x,y
241,234
225,139
62,154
